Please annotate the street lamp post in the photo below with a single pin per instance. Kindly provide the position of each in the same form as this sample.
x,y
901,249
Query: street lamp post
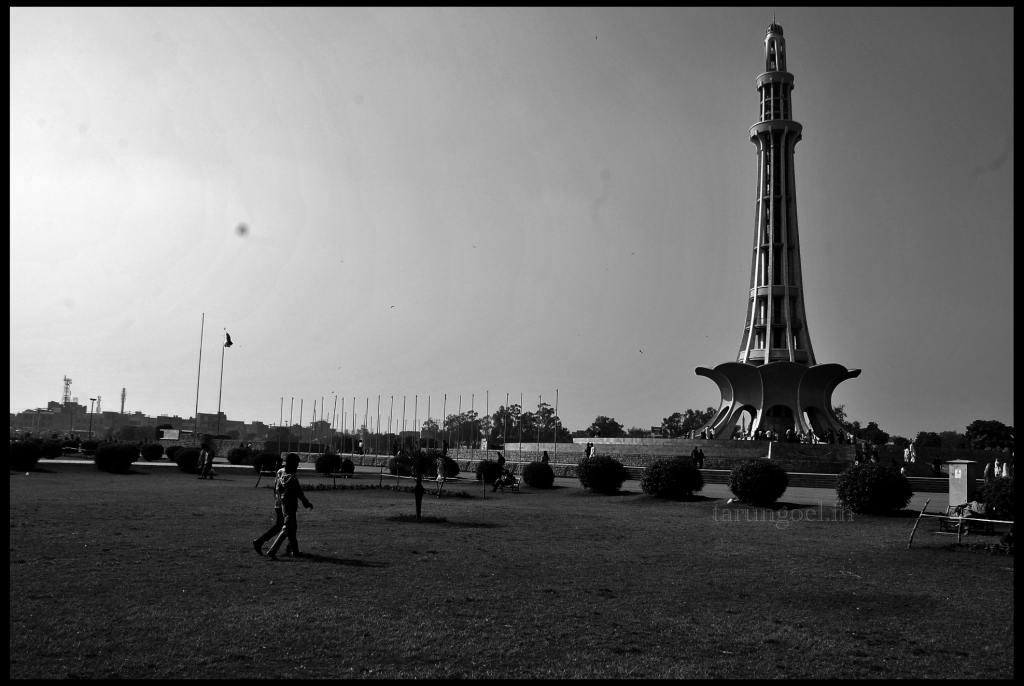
x,y
91,401
227,344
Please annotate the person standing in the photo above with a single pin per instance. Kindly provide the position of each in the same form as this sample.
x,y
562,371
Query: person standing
x,y
988,473
589,450
205,461
291,494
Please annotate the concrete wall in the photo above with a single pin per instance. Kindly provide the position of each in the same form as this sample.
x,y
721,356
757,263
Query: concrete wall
x,y
639,453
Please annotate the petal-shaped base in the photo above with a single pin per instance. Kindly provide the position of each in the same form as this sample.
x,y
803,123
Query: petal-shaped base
x,y
776,396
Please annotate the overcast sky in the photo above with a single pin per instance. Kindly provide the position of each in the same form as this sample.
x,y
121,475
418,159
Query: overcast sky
x,y
492,201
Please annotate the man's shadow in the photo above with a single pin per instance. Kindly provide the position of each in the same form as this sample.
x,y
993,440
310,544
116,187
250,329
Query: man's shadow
x,y
313,557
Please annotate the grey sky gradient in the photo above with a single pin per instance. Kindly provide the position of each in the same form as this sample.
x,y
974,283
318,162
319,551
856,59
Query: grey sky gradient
x,y
512,200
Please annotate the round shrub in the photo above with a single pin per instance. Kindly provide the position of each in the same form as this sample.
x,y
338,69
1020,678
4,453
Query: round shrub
x,y
451,467
173,450
89,446
873,489
116,457
998,495
673,479
239,456
265,462
187,460
152,452
758,482
488,470
347,467
51,449
400,465
328,463
24,455
601,473
539,475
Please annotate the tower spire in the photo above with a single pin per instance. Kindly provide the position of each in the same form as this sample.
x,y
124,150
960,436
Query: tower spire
x,y
775,379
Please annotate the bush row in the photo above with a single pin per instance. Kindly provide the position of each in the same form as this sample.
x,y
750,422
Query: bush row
x,y
865,488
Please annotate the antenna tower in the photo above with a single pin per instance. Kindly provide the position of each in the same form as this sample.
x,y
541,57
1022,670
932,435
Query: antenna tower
x,y
67,390
122,400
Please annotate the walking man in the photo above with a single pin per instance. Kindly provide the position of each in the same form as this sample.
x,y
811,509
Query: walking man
x,y
291,494
275,529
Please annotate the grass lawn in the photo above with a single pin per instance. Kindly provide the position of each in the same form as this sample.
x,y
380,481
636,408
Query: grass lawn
x,y
151,575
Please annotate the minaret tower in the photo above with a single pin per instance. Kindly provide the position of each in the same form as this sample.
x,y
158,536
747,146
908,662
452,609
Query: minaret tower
x,y
775,382
776,327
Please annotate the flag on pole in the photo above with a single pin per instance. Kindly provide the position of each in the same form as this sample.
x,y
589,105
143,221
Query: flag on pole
x,y
227,340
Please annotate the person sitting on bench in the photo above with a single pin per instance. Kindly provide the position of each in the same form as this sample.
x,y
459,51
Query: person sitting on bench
x,y
505,478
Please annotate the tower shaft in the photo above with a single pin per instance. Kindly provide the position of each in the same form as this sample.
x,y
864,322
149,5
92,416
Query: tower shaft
x,y
775,328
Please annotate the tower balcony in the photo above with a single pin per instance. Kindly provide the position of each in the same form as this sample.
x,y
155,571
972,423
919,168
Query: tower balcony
x,y
767,77
757,356
776,125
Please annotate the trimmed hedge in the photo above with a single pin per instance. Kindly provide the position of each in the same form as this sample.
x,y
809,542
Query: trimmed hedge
x,y
24,455
998,495
266,462
539,475
328,463
674,478
51,449
601,474
173,450
187,460
153,451
488,470
758,482
873,489
116,457
347,466
239,456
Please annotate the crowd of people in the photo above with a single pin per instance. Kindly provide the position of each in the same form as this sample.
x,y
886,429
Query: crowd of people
x,y
787,436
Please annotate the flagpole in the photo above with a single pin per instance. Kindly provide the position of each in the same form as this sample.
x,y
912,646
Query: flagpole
x,y
195,425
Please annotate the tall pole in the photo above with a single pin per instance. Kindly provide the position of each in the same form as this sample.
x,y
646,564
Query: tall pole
x,y
472,397
291,408
221,385
459,437
540,401
280,420
444,413
334,417
300,423
487,410
415,418
195,425
376,436
403,413
520,425
557,422
504,431
342,423
91,401
390,414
